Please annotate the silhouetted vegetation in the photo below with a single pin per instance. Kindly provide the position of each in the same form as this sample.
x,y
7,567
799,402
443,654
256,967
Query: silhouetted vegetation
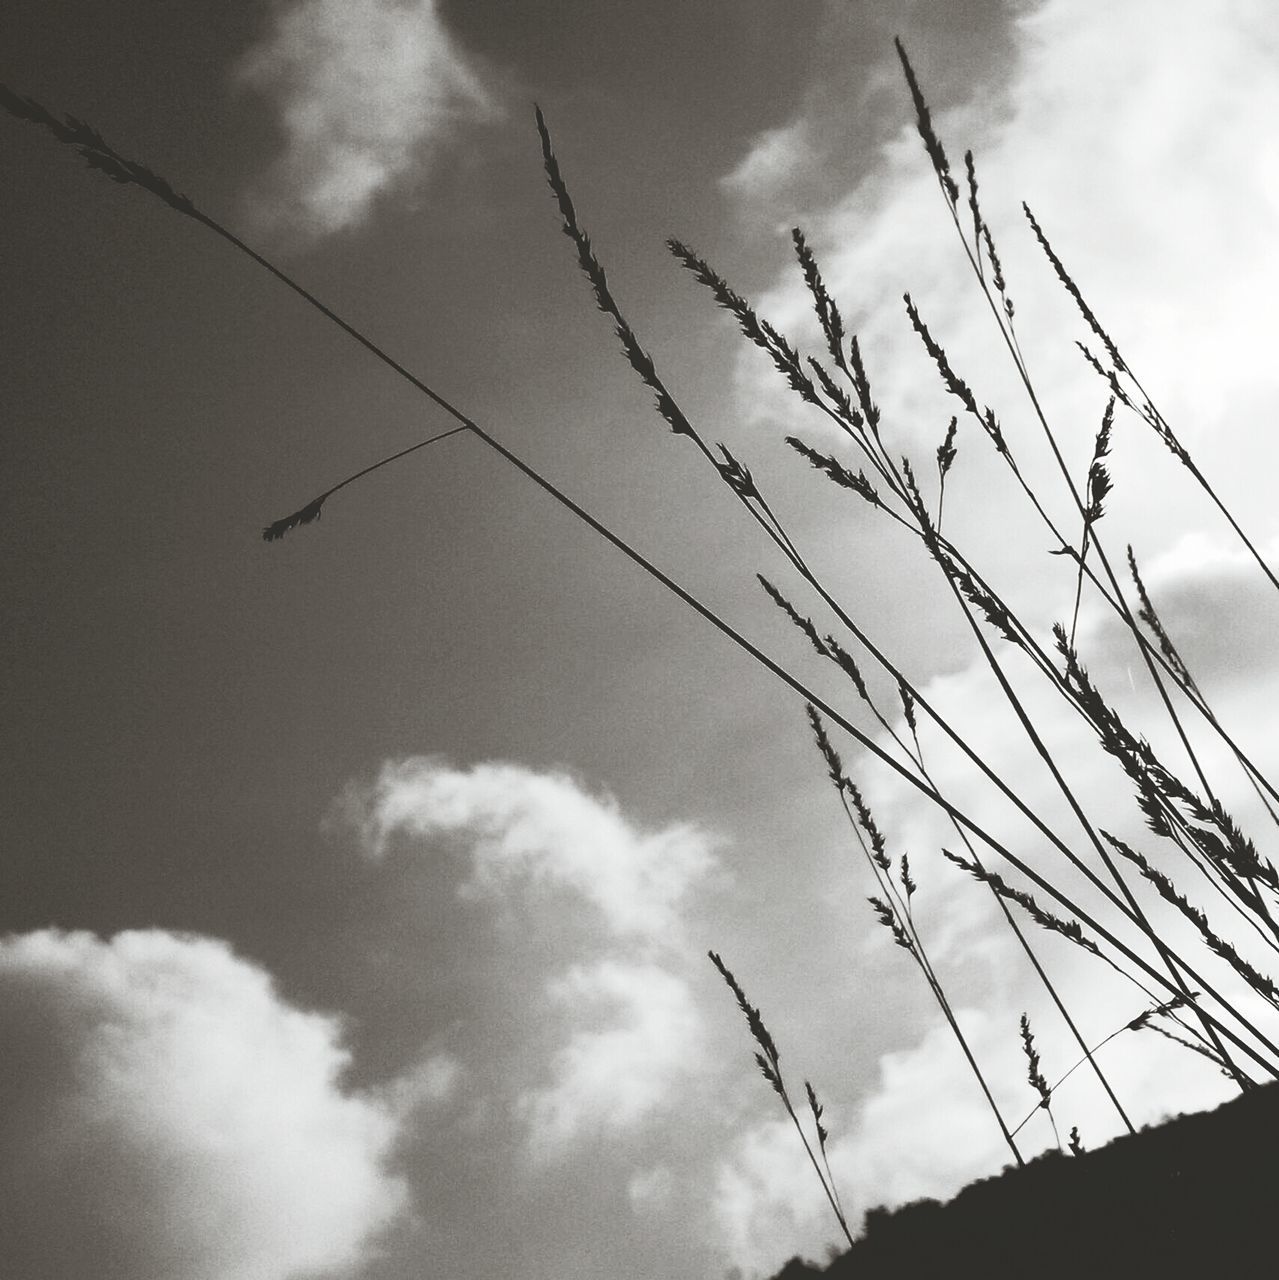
x,y
1191,1197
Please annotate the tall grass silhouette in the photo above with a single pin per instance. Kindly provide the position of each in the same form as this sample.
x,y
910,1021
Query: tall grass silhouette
x,y
1201,984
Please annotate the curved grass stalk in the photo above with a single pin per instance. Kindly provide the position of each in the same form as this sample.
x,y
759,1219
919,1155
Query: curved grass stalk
x,y
768,1059
892,909
1142,1020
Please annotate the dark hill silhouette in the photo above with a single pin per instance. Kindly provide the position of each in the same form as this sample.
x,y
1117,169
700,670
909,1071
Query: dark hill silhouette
x,y
1196,1196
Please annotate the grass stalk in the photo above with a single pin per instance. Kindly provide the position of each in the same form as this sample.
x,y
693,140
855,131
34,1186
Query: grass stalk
x,y
768,1059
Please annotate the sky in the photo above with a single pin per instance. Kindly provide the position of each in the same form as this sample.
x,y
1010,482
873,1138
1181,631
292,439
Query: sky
x,y
356,888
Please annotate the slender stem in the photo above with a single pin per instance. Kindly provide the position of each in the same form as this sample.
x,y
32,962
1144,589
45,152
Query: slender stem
x,y
1049,985
828,1188
1225,511
920,955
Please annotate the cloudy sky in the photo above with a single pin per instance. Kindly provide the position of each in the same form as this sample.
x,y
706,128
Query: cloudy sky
x,y
356,888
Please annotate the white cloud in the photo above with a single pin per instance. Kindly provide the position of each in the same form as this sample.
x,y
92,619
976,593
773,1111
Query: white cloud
x,y
431,1082
367,91
541,831
651,1190
599,1021
773,160
610,1079
768,1205
1132,131
163,1112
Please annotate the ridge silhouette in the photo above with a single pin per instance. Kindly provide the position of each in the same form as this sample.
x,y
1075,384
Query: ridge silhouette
x,y
1194,1196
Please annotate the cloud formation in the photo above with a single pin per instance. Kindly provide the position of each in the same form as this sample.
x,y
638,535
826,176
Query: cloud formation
x,y
775,158
541,831
603,992
1131,132
609,1079
367,92
163,1112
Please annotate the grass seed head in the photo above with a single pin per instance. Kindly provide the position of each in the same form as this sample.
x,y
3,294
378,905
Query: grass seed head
x,y
924,123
